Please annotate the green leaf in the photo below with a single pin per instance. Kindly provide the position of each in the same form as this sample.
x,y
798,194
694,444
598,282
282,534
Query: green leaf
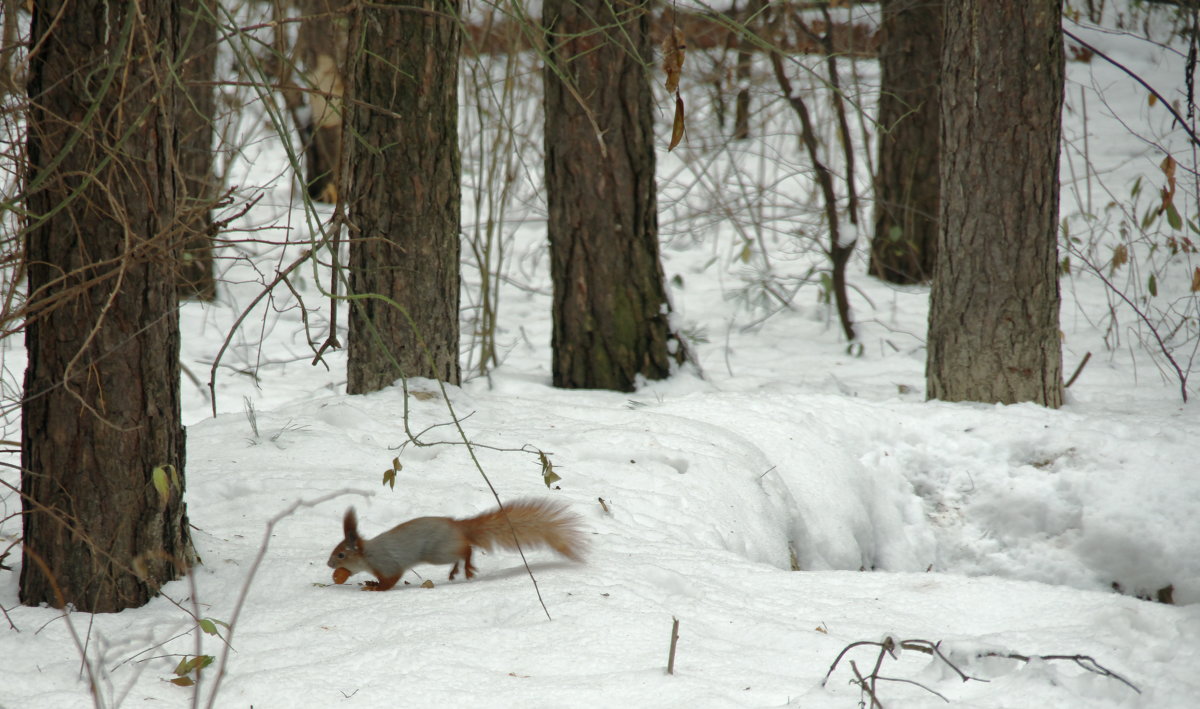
x,y
190,664
1151,215
159,478
548,475
1173,217
183,681
826,294
208,626
1153,285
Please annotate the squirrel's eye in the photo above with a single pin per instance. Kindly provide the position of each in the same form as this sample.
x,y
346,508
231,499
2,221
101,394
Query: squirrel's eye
x,y
341,555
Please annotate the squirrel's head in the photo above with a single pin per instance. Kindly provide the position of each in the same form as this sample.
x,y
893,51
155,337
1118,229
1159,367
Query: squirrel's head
x,y
348,552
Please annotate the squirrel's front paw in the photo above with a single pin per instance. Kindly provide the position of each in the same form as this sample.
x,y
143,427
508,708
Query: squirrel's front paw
x,y
382,584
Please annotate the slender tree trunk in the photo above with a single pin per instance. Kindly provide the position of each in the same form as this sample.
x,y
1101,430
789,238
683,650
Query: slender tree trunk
x,y
199,44
322,49
101,408
745,61
993,318
908,185
401,166
10,28
611,312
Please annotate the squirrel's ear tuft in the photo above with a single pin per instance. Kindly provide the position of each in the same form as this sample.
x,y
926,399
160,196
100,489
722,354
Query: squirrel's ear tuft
x,y
350,524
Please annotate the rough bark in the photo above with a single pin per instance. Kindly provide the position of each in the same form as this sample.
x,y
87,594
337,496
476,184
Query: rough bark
x,y
401,165
908,185
993,319
101,408
199,45
611,314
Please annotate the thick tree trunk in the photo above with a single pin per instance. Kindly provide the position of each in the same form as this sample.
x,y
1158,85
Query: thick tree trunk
x,y
199,44
402,171
908,185
611,312
101,408
993,318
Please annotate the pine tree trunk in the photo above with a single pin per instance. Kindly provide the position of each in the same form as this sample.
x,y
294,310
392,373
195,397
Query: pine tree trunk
x,y
101,408
402,171
907,186
611,313
993,319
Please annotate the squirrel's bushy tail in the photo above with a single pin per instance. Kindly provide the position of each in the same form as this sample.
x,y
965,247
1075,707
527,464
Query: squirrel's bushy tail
x,y
537,522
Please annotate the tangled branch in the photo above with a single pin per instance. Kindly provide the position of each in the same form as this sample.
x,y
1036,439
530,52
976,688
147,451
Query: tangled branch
x,y
889,647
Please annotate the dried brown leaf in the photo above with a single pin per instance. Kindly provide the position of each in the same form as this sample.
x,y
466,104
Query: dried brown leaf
x,y
673,47
1196,280
1168,168
1120,257
677,126
1168,192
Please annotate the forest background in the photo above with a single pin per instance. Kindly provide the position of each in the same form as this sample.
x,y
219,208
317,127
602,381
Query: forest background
x,y
784,440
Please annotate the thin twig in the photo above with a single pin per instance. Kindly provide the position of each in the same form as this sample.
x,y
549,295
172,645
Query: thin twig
x,y
1087,662
674,643
1162,100
280,276
1078,370
862,684
245,591
1183,376
868,683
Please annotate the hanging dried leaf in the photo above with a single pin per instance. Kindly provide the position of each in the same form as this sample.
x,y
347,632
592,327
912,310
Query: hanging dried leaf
x,y
677,126
1196,280
1168,192
1120,257
673,47
548,475
1168,168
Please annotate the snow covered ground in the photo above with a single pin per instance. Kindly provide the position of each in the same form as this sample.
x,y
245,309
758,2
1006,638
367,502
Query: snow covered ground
x,y
993,530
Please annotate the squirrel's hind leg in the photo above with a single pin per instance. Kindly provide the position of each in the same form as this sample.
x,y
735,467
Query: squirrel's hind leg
x,y
468,570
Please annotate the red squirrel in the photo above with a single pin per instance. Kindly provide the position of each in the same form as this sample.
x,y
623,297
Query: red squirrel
x,y
443,540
